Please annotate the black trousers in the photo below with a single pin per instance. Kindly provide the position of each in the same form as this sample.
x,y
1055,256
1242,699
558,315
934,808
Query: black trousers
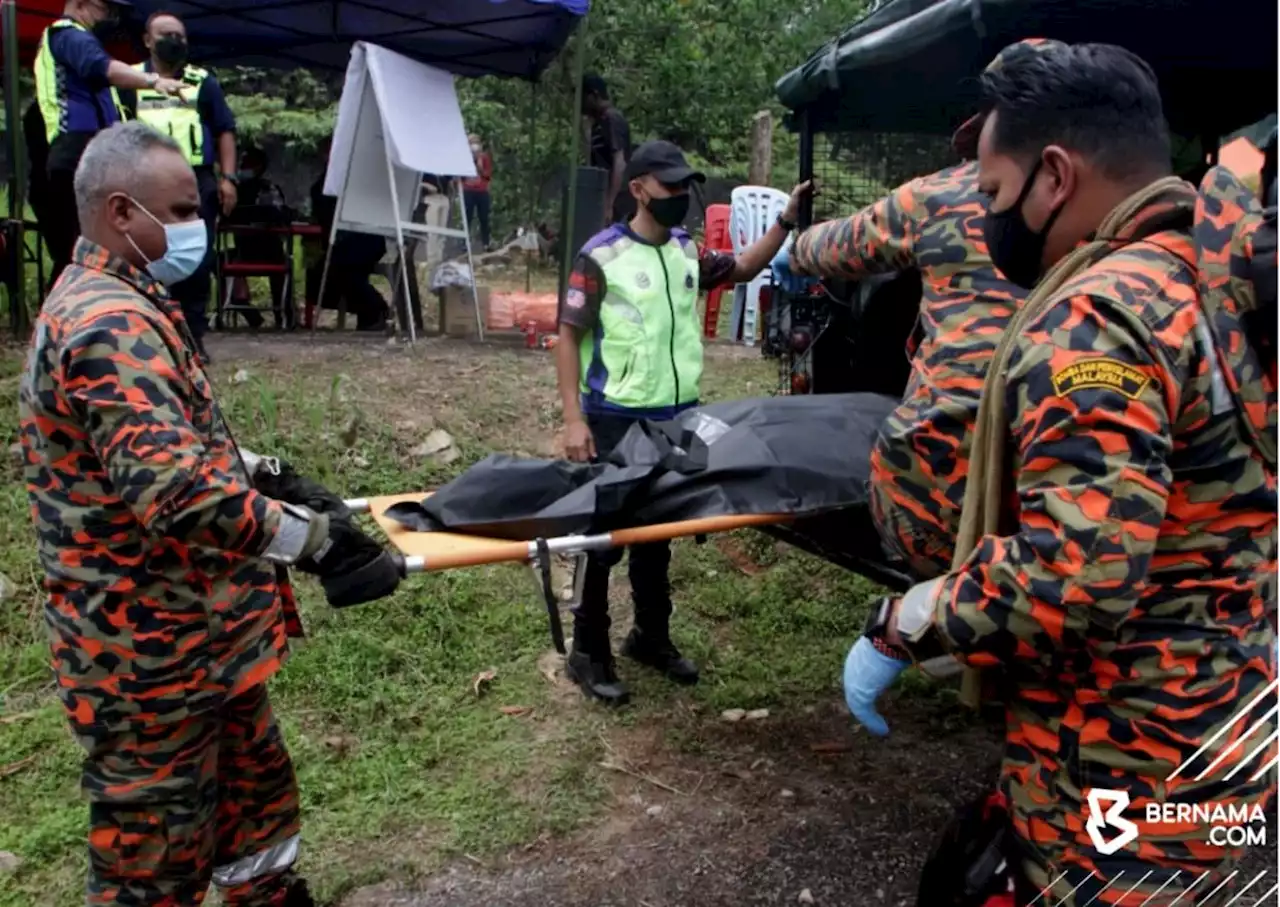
x,y
648,570
349,280
61,226
193,293
479,204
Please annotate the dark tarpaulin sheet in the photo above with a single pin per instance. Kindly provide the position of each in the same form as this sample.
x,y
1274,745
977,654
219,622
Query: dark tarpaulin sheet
x,y
790,455
911,65
466,37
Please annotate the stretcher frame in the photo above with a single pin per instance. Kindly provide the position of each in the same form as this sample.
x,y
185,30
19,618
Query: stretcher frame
x,y
460,550
427,552
456,550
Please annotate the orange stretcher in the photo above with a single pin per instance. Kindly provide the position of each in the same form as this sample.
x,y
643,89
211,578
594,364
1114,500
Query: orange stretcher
x,y
425,552
429,551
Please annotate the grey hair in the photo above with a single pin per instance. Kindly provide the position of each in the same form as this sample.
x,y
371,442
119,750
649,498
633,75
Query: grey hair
x,y
115,160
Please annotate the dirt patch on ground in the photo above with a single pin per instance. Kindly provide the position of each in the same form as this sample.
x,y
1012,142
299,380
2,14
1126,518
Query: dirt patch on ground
x,y
497,390
763,812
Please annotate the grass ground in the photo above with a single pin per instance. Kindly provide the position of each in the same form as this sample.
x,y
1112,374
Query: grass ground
x,y
397,755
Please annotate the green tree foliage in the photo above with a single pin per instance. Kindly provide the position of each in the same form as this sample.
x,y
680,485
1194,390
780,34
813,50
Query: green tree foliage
x,y
692,71
297,106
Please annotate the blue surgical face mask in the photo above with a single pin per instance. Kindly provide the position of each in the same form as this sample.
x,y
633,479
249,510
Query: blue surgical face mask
x,y
186,243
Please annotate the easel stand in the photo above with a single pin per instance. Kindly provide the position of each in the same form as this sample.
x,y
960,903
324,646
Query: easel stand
x,y
380,152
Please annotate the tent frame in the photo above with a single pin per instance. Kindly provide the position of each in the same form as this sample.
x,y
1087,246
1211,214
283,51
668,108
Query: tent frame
x,y
423,23
19,318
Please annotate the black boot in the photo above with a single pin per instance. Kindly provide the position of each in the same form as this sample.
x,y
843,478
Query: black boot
x,y
657,651
590,660
591,668
650,641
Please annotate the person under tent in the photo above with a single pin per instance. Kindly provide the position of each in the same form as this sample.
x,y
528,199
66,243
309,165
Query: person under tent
x,y
261,203
353,260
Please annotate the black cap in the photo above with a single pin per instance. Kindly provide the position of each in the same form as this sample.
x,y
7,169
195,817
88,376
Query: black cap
x,y
665,162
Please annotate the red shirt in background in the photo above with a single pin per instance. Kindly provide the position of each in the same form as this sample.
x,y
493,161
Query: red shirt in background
x,y
484,173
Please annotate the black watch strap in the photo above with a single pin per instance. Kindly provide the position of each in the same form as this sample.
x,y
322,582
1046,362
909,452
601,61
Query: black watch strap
x,y
877,626
878,618
785,224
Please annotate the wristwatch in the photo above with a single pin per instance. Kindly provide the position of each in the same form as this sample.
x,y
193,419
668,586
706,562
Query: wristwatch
x,y
785,224
152,79
915,624
876,629
230,178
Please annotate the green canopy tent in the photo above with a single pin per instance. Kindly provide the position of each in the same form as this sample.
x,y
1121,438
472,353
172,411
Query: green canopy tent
x,y
910,66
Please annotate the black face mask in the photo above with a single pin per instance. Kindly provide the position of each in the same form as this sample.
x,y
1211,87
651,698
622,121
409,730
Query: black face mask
x,y
1014,247
108,29
670,211
171,50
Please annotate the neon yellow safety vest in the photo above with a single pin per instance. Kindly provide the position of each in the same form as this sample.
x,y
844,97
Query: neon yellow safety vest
x,y
646,354
54,99
177,118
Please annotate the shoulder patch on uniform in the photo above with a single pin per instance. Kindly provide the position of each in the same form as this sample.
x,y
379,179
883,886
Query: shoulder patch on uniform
x,y
575,299
1101,373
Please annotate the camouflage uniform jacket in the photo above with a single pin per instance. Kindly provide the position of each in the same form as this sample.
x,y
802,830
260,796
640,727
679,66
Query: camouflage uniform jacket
x,y
933,223
1127,599
147,524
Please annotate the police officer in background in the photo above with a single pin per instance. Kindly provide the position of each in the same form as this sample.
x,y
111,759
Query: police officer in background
x,y
76,82
205,129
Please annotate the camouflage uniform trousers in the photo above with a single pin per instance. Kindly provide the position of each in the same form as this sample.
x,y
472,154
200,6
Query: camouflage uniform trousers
x,y
180,804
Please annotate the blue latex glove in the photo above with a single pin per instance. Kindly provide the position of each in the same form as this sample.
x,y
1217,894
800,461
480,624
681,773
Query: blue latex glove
x,y
783,276
868,673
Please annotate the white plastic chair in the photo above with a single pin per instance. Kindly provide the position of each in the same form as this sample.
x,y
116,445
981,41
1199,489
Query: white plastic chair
x,y
752,211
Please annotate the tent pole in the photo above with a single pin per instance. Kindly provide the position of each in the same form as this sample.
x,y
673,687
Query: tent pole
x,y
471,263
17,201
805,218
12,105
571,202
533,185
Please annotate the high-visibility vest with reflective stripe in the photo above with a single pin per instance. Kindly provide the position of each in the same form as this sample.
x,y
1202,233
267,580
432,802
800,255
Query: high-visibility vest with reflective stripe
x,y
646,351
51,89
175,117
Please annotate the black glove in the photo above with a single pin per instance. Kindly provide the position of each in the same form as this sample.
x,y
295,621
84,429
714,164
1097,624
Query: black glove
x,y
353,568
286,485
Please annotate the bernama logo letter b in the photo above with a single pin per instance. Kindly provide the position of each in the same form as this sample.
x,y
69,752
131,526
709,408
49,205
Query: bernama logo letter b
x,y
1106,809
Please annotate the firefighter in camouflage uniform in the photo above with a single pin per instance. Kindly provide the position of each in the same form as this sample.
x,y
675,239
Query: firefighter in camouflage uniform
x,y
1126,589
921,458
168,606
